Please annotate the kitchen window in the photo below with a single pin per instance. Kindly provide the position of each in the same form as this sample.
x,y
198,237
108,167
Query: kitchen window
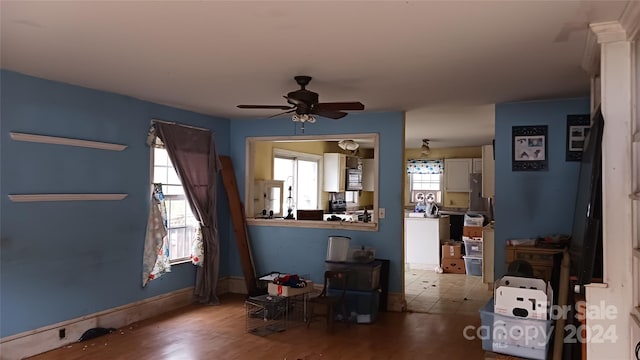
x,y
301,172
181,224
425,183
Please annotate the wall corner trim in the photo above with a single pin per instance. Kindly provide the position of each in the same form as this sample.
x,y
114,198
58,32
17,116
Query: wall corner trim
x,y
629,20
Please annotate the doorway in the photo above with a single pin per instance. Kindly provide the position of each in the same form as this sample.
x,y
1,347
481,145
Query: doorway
x,y
437,278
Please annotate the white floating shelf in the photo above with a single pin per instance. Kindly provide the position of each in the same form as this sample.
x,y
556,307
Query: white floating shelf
x,y
66,141
65,197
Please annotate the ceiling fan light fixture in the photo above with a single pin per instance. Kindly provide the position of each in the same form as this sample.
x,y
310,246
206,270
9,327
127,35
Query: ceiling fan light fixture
x,y
425,149
303,118
349,145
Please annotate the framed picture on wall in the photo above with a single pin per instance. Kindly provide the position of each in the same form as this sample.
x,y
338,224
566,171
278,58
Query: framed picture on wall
x,y
577,130
529,148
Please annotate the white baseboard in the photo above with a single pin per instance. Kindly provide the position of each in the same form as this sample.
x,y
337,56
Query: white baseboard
x,y
46,338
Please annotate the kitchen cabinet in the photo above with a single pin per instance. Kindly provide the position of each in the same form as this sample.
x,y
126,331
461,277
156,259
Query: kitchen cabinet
x,y
334,167
456,174
368,174
423,238
477,166
488,171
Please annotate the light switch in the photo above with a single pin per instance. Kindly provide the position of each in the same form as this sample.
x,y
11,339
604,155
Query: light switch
x,y
380,213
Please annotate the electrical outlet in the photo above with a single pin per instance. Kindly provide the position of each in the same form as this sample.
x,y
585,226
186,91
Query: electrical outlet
x,y
62,333
381,213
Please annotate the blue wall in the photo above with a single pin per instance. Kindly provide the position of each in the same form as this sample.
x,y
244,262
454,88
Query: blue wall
x,y
301,250
62,260
530,204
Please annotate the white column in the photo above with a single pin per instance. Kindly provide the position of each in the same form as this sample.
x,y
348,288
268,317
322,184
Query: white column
x,y
617,89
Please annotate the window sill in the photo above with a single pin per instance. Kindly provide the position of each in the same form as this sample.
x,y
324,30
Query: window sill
x,y
359,226
179,261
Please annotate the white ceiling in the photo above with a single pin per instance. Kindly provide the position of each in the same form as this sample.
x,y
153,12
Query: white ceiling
x,y
444,62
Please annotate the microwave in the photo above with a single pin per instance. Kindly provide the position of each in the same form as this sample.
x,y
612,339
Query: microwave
x,y
353,180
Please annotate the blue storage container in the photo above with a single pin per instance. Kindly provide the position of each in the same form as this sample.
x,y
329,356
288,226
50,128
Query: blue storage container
x,y
473,265
527,338
362,306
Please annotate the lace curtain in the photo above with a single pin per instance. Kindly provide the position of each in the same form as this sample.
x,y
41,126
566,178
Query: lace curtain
x,y
156,247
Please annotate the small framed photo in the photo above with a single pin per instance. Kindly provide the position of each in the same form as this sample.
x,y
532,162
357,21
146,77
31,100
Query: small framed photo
x,y
577,130
529,148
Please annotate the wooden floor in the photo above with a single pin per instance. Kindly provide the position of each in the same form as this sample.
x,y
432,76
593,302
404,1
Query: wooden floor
x,y
219,332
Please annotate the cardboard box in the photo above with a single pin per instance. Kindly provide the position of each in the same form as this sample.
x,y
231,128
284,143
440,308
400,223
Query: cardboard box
x,y
453,266
282,290
521,297
452,251
472,231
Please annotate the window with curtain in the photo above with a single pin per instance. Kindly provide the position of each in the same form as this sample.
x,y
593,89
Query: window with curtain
x,y
181,224
425,176
301,172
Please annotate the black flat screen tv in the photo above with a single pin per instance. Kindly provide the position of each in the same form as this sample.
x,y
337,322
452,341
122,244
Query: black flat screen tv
x,y
586,238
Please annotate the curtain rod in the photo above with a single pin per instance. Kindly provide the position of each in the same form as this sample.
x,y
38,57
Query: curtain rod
x,y
174,123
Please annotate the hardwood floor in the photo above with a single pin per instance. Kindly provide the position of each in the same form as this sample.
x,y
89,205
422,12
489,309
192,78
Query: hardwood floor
x,y
220,332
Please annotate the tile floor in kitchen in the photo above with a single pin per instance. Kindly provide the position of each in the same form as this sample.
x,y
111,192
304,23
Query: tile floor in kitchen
x,y
429,292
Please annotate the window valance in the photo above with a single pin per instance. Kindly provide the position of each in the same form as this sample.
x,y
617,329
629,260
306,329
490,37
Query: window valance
x,y
417,166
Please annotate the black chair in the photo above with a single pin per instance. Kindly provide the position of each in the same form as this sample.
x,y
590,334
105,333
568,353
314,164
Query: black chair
x,y
329,304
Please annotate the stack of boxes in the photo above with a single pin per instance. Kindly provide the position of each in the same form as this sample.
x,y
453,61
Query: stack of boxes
x,y
517,320
452,261
472,238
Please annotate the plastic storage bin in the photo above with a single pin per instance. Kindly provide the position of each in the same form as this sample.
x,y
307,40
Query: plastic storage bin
x,y
362,306
361,276
473,265
473,220
527,338
338,248
473,247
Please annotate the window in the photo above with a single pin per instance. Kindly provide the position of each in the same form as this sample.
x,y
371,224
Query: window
x,y
181,224
301,172
426,183
351,197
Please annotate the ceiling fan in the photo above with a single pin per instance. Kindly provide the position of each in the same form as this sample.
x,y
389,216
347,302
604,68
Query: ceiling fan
x,y
305,104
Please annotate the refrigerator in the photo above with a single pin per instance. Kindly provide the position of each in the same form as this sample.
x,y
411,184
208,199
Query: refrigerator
x,y
478,204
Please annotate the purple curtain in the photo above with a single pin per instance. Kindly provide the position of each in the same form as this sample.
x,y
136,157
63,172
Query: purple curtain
x,y
193,154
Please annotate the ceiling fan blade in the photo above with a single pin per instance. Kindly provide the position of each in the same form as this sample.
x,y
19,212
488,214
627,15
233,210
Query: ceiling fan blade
x,y
338,106
331,114
282,113
293,101
279,107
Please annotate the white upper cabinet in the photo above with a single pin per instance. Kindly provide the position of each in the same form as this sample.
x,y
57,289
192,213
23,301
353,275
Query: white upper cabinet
x,y
368,174
335,165
477,166
488,171
456,174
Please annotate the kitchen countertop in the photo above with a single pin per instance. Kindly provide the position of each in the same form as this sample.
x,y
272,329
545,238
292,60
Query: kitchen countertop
x,y
453,211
